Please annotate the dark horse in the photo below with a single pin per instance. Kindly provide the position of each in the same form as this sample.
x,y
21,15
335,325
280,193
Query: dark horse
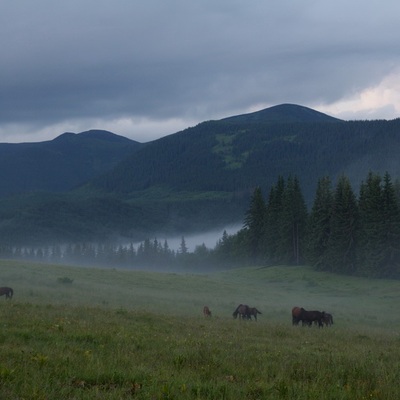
x,y
253,312
243,311
206,311
7,291
328,319
307,317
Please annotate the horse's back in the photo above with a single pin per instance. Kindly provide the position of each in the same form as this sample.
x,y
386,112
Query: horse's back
x,y
309,317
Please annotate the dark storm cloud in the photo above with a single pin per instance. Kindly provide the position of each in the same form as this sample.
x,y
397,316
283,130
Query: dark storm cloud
x,y
76,61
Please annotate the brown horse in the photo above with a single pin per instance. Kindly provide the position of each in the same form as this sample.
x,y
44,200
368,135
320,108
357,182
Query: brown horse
x,y
206,311
253,312
296,311
7,291
242,310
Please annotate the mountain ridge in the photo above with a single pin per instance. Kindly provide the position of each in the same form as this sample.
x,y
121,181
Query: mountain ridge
x,y
61,163
199,178
286,112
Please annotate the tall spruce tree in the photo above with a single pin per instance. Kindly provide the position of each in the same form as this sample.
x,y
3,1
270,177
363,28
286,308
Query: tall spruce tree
x,y
370,245
319,224
293,223
391,229
254,223
273,222
341,252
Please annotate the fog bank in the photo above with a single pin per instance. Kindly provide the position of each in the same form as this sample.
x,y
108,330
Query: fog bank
x,y
209,239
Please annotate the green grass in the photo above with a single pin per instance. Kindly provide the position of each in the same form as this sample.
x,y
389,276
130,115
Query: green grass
x,y
87,333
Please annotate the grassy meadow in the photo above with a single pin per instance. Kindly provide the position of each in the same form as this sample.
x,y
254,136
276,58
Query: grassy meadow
x,y
90,333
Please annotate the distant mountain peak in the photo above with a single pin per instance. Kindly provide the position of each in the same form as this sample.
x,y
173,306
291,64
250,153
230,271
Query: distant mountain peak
x,y
93,134
284,113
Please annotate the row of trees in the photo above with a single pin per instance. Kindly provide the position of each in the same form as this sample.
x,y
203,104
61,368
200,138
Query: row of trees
x,y
342,233
150,254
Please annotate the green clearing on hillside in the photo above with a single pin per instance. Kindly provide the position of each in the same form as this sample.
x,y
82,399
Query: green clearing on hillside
x,y
225,149
86,333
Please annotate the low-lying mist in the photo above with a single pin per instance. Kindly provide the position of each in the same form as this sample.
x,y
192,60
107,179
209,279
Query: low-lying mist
x,y
209,239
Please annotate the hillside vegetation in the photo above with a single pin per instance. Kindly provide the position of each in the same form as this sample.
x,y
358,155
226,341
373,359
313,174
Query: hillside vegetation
x,y
114,334
203,177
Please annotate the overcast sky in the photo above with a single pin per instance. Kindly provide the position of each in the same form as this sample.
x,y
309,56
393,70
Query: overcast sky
x,y
147,68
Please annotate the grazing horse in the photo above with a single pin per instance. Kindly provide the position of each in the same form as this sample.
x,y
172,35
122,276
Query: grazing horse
x,y
206,311
243,311
328,319
296,311
7,291
308,317
253,312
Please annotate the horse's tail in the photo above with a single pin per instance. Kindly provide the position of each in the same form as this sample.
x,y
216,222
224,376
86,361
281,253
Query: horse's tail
x,y
11,292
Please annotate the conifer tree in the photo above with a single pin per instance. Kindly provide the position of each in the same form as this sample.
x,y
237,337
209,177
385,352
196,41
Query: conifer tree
x,y
341,253
396,187
254,223
183,250
292,222
370,238
232,250
273,220
223,249
319,224
391,229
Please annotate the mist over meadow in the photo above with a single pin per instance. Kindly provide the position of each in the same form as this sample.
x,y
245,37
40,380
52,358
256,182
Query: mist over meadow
x,y
192,240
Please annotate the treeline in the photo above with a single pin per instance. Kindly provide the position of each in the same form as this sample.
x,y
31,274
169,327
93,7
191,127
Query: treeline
x,y
149,254
342,233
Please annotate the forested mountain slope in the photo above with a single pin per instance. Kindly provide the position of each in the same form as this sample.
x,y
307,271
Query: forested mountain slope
x,y
233,156
204,176
62,163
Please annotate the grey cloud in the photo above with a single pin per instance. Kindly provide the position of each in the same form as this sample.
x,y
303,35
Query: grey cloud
x,y
159,59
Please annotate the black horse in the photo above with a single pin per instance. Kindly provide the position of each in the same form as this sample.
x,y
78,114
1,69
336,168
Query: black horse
x,y
206,311
243,311
7,291
253,312
328,319
307,317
